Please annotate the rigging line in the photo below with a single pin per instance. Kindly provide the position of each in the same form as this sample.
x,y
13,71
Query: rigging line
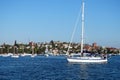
x,y
75,27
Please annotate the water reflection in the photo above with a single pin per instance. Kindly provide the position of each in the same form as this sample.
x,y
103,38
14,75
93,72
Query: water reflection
x,y
83,71
86,71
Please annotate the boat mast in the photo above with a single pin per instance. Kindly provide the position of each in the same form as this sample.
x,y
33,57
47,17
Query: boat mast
x,y
82,26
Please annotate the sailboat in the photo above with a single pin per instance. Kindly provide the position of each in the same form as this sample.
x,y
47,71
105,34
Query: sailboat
x,y
15,50
33,54
15,55
82,57
47,52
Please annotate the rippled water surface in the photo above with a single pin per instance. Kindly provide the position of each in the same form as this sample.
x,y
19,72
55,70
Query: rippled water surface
x,y
57,68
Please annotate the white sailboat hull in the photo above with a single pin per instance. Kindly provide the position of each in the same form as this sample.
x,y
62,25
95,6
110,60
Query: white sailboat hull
x,y
26,54
33,55
15,56
87,59
5,55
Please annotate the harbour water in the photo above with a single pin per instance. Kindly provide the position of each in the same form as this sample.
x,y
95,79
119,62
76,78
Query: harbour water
x,y
57,68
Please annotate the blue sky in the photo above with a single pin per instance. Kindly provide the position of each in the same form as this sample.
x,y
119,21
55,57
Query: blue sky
x,y
45,20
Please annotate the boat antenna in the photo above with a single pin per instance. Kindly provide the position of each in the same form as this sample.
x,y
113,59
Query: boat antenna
x,y
82,26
